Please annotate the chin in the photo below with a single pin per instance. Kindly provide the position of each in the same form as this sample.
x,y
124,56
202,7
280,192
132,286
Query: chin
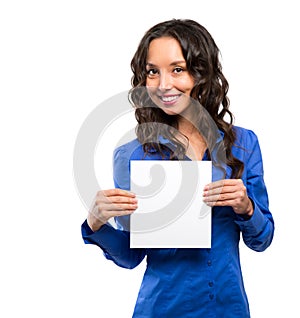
x,y
169,112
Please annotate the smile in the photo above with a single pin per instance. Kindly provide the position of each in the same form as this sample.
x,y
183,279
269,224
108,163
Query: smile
x,y
170,99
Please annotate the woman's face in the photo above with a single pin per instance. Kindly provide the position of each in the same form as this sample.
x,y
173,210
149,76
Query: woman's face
x,y
168,81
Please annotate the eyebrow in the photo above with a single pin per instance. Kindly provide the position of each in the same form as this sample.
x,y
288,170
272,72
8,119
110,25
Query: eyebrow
x,y
172,64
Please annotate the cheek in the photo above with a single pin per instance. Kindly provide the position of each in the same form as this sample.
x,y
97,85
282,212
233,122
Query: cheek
x,y
152,94
186,84
151,89
152,82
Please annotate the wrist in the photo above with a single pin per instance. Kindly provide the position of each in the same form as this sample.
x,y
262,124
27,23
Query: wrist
x,y
94,223
249,210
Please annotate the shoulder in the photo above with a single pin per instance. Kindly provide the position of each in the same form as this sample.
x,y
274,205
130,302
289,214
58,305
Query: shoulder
x,y
121,162
129,150
245,138
246,146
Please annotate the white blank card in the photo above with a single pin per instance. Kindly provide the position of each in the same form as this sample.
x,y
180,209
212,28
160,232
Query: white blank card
x,y
171,213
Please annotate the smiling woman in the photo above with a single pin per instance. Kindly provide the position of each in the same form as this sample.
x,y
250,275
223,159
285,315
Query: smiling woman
x,y
170,85
168,81
180,97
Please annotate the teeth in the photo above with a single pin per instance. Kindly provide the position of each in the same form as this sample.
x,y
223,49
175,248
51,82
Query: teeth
x,y
169,98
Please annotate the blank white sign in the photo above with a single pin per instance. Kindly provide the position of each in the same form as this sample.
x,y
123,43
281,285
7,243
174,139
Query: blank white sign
x,y
171,213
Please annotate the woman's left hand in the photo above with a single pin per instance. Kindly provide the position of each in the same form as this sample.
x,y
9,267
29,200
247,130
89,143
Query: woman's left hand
x,y
229,192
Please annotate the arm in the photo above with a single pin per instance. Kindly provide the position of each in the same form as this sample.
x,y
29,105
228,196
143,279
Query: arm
x,y
258,231
247,196
115,243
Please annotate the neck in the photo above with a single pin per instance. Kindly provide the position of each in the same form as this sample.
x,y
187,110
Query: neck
x,y
196,143
186,127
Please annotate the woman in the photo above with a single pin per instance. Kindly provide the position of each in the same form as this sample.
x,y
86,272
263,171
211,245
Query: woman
x,y
175,69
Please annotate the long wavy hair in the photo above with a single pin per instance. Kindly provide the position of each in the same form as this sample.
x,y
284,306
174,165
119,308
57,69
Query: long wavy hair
x,y
210,90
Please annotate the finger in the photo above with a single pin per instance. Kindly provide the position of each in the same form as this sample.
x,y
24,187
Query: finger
x,y
116,192
221,190
222,183
124,212
220,203
117,200
105,213
120,207
219,197
214,185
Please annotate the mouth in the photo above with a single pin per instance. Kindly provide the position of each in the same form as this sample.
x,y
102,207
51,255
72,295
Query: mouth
x,y
168,100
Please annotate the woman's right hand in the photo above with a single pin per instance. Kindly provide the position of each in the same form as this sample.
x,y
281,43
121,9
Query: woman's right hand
x,y
108,204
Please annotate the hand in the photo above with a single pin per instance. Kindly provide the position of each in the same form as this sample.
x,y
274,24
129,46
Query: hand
x,y
229,192
110,203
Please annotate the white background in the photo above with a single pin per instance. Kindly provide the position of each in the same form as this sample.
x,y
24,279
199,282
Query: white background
x,y
58,61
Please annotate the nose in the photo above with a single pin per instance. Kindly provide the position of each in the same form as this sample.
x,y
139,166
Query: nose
x,y
165,81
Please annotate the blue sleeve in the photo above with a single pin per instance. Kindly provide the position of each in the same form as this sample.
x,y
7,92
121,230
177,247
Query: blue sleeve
x,y
258,231
115,243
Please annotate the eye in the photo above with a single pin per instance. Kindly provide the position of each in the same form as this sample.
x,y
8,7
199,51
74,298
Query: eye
x,y
152,72
178,70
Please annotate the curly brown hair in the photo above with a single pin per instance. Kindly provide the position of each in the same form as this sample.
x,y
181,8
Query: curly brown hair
x,y
210,90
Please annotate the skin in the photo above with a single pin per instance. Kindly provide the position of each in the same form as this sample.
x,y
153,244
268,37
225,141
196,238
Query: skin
x,y
169,85
108,204
229,192
168,81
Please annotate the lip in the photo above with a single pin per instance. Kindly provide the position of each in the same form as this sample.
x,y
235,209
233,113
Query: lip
x,y
169,99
